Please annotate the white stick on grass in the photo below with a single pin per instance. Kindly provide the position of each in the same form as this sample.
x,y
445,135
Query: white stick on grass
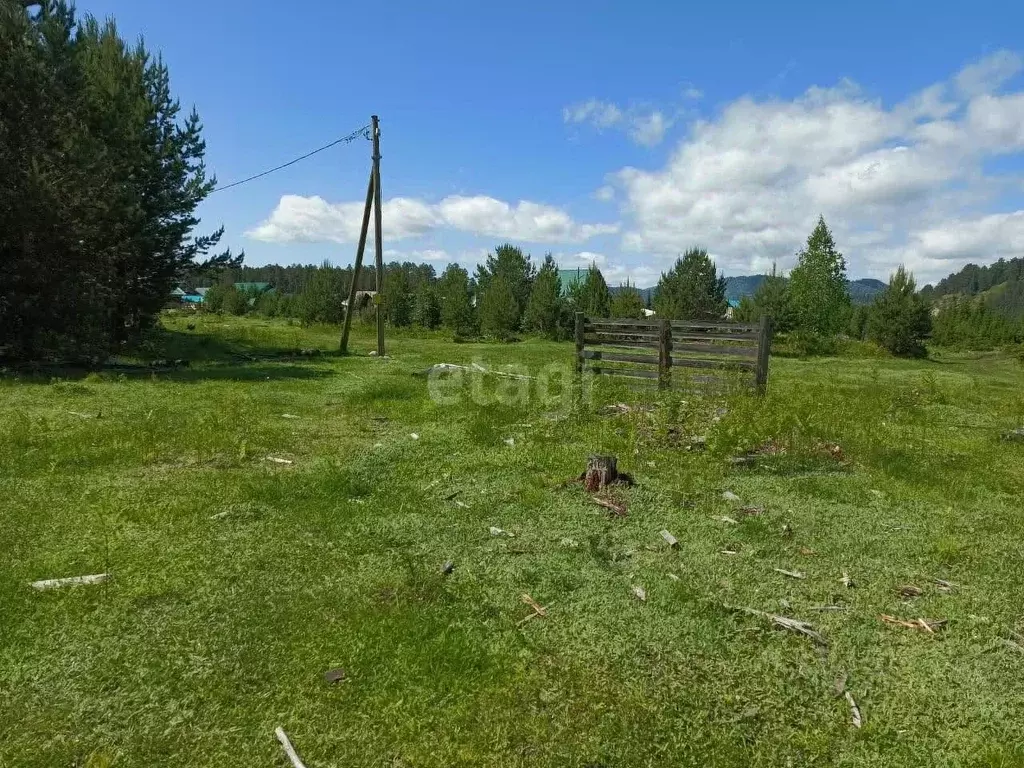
x,y
96,578
288,748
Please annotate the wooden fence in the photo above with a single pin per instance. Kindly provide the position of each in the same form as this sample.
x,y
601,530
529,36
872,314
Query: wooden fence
x,y
651,349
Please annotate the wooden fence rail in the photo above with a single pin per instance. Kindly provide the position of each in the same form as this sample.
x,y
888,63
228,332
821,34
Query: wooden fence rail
x,y
662,345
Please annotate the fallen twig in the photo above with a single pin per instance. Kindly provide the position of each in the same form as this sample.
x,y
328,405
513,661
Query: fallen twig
x,y
793,625
824,608
96,578
538,609
946,586
909,590
619,510
288,748
791,574
854,710
751,511
928,625
279,460
727,519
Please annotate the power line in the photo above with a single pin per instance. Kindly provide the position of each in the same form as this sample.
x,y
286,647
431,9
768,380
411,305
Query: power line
x,y
364,132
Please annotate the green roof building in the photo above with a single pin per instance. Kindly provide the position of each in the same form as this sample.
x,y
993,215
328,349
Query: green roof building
x,y
570,277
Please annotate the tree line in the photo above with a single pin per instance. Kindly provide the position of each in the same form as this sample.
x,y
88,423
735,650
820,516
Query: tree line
x,y
510,294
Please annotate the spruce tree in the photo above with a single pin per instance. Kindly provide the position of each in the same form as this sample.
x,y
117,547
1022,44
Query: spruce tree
x,y
817,285
627,303
455,297
692,289
499,312
900,319
594,298
545,307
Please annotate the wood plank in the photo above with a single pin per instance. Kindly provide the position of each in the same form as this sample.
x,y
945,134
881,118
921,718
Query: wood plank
x,y
689,362
623,332
629,373
735,350
714,326
623,344
684,335
617,357
625,321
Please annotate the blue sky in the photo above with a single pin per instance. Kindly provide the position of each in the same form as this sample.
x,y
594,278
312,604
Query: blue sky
x,y
620,133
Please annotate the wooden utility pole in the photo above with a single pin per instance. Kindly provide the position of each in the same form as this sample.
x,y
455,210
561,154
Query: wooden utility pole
x,y
358,266
377,239
372,201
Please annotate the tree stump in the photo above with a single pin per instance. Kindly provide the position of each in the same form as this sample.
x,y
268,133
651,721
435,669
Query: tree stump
x,y
601,471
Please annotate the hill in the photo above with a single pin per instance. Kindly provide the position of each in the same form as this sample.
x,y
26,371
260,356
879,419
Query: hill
x,y
999,286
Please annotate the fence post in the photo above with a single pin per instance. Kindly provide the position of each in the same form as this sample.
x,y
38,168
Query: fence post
x,y
665,354
764,346
579,342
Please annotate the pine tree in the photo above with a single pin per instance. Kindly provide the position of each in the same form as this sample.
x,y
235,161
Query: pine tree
x,y
398,301
510,263
321,301
428,311
692,289
627,303
101,181
545,308
499,312
772,298
455,297
817,285
594,298
900,319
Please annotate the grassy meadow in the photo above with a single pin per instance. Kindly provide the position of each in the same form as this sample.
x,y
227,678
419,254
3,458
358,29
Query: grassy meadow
x,y
238,581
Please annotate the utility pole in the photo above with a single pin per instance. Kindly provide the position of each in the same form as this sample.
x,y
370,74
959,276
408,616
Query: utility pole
x,y
377,239
372,201
357,268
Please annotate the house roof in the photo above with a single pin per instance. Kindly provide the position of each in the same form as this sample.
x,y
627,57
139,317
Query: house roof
x,y
201,291
179,291
570,277
260,287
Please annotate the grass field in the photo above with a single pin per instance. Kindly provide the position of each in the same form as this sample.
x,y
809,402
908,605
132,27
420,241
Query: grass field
x,y
238,581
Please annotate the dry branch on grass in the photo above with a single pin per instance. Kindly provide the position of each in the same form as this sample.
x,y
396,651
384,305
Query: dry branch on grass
x,y
793,625
537,608
791,574
854,710
925,625
70,581
289,750
279,460
617,509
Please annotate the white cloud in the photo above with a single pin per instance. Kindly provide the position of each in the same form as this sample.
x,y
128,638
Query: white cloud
x,y
600,114
605,194
692,92
646,127
988,74
749,182
649,130
314,220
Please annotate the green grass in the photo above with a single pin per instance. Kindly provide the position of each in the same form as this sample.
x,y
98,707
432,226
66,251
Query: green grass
x,y
214,630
